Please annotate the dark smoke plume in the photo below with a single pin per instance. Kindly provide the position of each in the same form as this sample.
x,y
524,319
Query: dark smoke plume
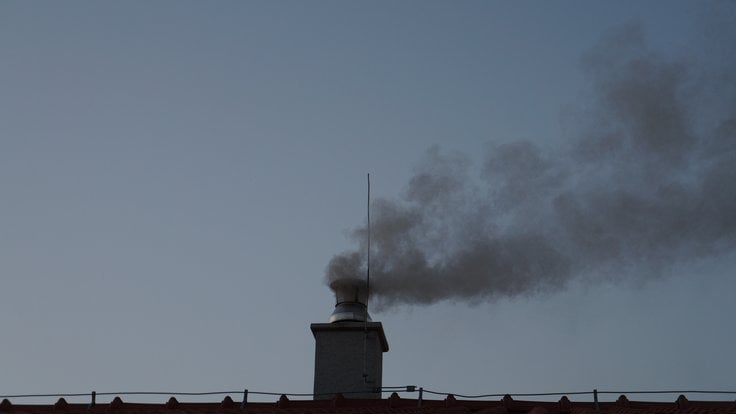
x,y
649,180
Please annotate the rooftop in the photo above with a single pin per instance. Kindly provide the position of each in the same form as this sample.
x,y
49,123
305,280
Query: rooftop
x,y
394,404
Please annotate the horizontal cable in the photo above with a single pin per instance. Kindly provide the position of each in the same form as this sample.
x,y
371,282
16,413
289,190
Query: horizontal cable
x,y
543,394
668,392
288,394
540,394
46,395
383,389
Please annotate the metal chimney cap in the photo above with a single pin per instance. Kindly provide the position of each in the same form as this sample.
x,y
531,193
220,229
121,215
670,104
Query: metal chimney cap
x,y
350,290
351,299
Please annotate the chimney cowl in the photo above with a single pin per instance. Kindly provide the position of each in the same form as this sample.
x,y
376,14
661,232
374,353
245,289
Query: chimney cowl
x,y
351,298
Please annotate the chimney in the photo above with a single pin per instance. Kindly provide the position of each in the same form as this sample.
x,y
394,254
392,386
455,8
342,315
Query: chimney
x,y
349,348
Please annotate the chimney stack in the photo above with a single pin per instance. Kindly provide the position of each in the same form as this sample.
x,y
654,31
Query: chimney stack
x,y
349,348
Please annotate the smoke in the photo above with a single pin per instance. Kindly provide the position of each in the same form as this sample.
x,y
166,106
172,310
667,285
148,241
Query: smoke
x,y
647,181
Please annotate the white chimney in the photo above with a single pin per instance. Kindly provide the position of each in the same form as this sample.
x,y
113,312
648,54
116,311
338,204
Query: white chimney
x,y
349,348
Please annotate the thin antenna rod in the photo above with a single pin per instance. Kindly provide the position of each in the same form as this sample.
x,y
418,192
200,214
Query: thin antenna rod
x,y
368,253
367,287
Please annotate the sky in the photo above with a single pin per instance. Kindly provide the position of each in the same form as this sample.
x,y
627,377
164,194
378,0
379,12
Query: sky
x,y
176,177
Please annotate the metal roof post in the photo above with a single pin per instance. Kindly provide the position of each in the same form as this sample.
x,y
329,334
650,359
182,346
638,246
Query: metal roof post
x,y
595,399
245,399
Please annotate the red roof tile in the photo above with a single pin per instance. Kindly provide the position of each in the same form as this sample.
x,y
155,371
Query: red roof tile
x,y
392,405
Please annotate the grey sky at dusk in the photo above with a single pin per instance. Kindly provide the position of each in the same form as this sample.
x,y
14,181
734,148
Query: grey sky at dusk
x,y
176,176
